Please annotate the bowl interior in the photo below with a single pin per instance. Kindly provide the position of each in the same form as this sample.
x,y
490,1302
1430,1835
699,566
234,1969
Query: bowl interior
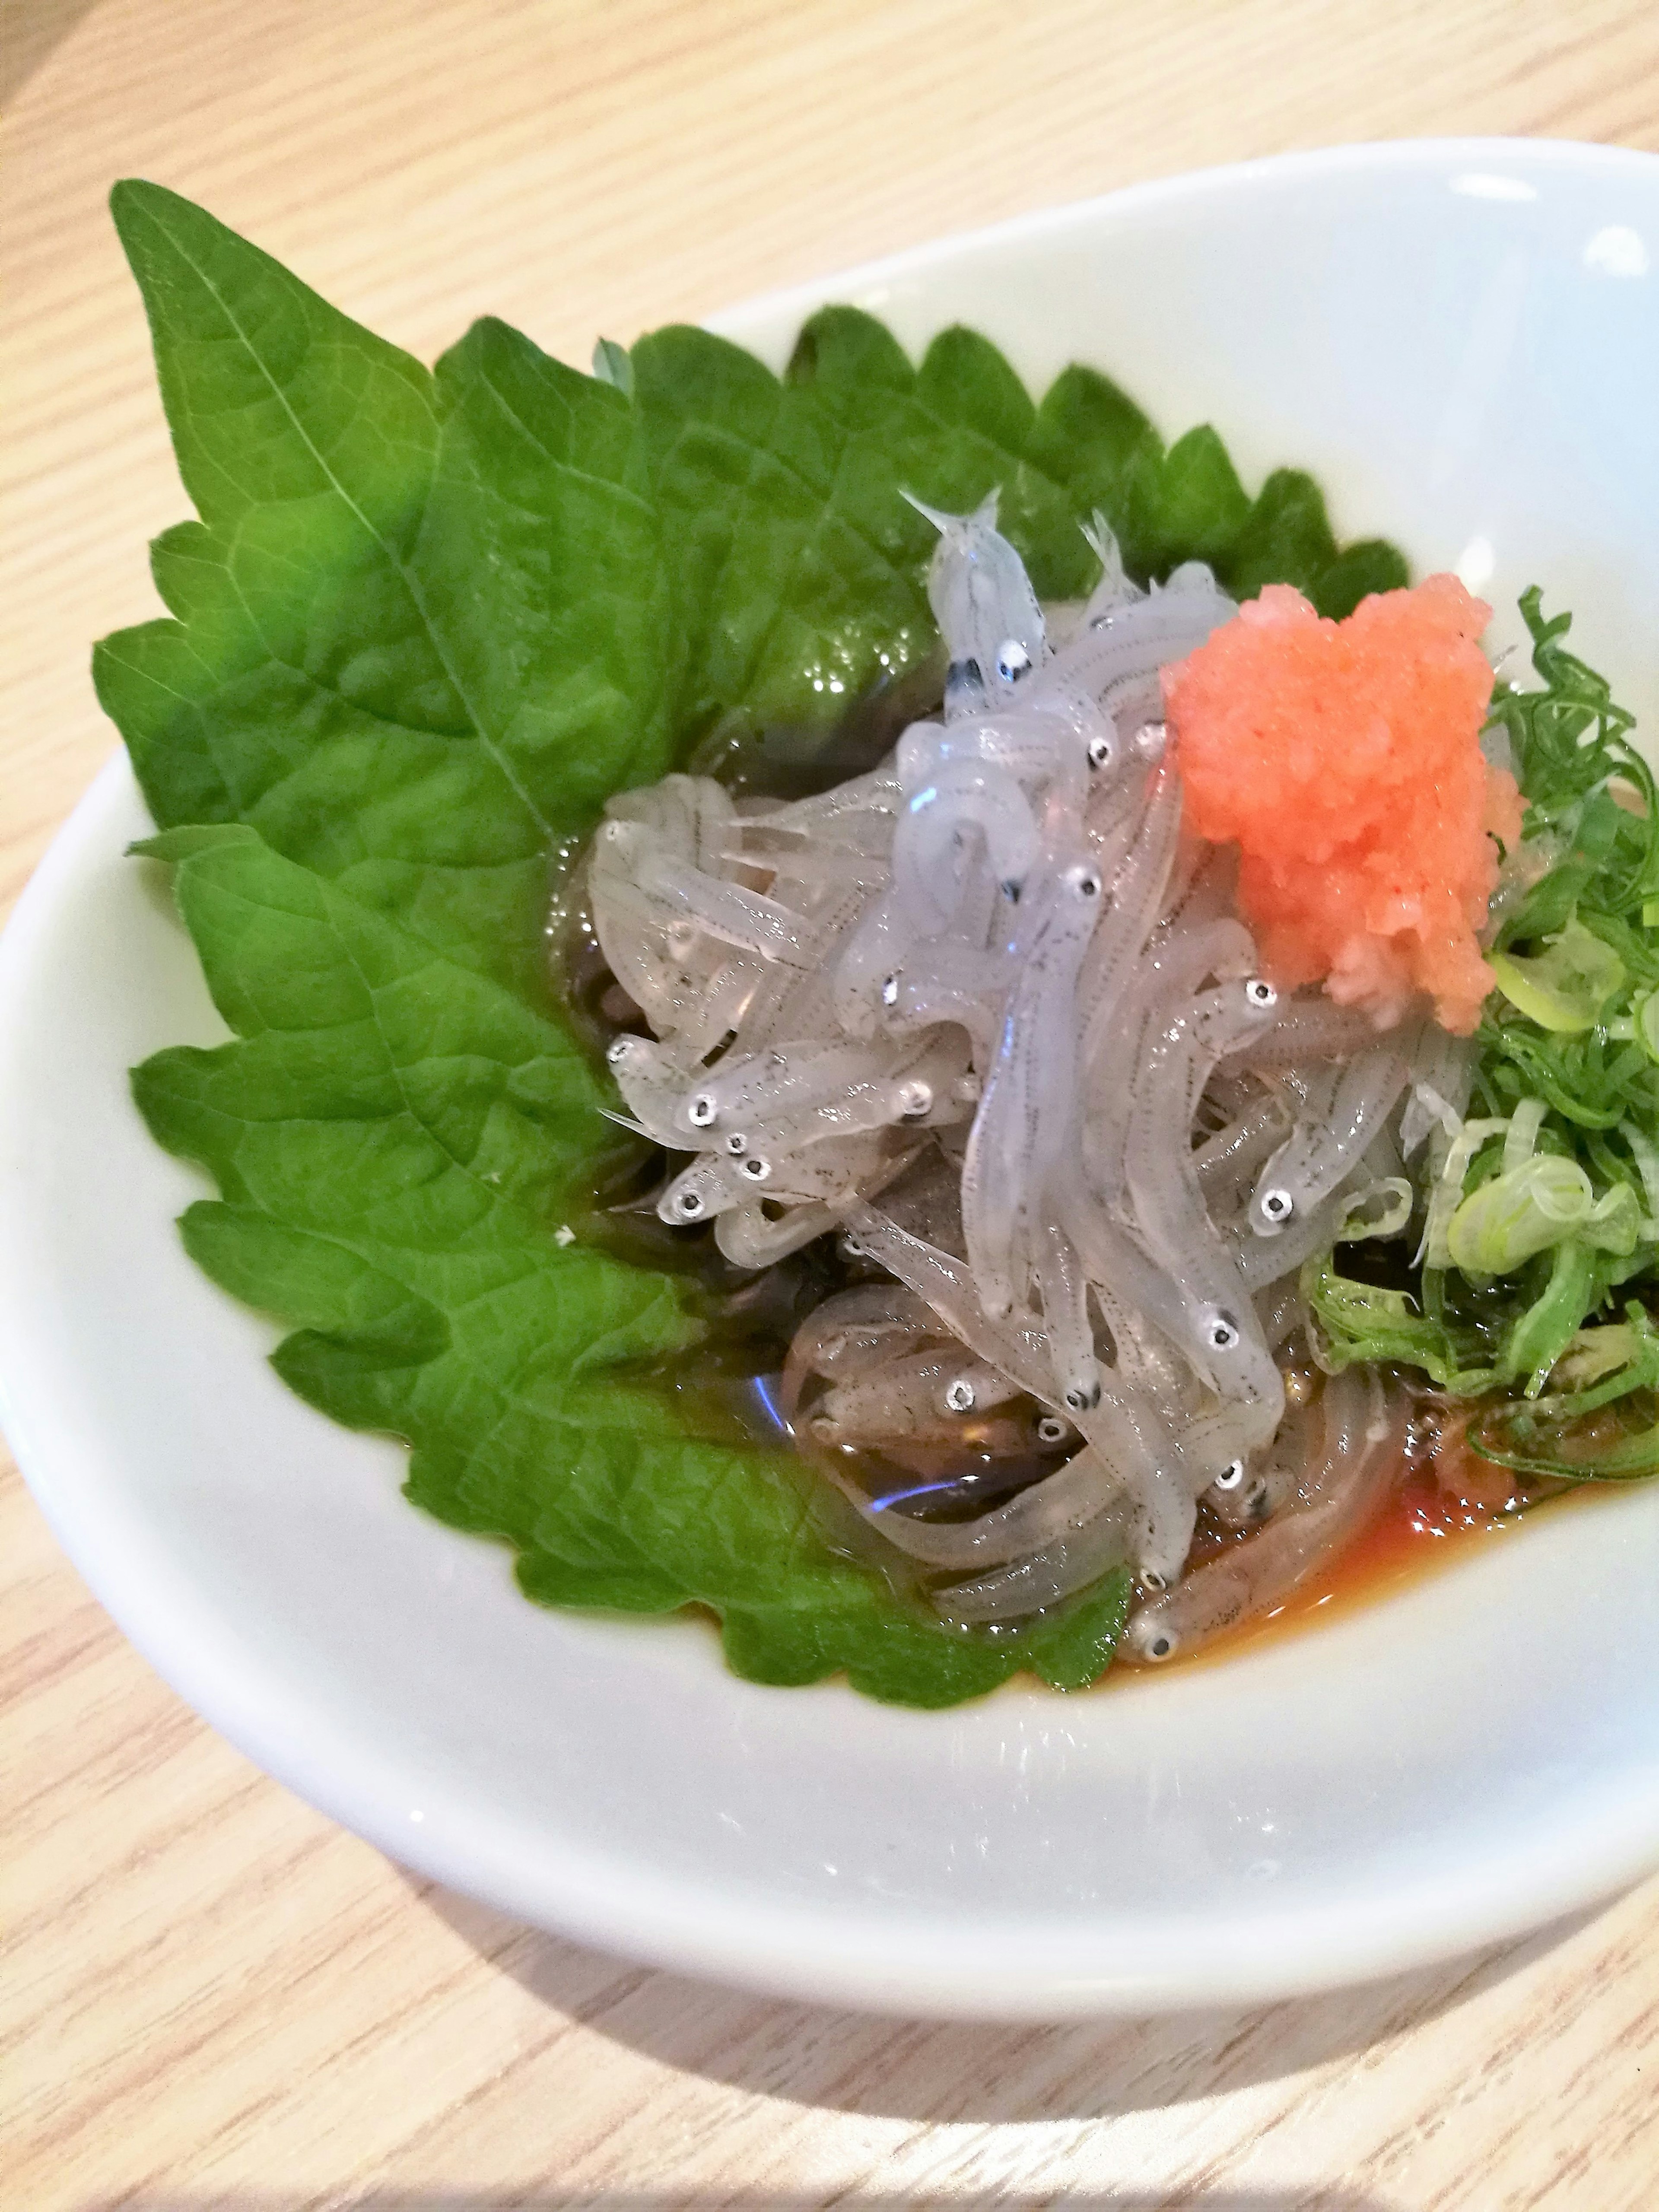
x,y
1462,343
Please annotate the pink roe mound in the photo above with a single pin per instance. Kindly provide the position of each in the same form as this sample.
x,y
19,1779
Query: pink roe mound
x,y
1344,759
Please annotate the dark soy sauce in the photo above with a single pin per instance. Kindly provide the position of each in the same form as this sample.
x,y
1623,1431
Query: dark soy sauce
x,y
1429,1520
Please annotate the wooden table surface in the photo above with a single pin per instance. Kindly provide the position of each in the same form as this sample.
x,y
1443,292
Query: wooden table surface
x,y
213,1997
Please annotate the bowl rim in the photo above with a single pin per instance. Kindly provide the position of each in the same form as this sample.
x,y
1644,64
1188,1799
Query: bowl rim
x,y
800,1949
1260,173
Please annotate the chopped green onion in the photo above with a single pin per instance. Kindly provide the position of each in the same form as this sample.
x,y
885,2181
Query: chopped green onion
x,y
1507,1221
1549,1324
1449,1188
1615,1223
1565,987
1391,1197
1523,1241
1607,1429
1594,1354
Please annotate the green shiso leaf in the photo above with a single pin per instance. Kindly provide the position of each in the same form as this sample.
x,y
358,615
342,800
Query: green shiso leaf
x,y
421,628
424,622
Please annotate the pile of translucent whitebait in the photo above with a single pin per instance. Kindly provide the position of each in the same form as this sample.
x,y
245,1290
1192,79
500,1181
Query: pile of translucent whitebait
x,y
987,1013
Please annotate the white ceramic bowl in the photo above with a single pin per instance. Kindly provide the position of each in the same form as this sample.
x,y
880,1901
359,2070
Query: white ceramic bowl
x,y
1462,341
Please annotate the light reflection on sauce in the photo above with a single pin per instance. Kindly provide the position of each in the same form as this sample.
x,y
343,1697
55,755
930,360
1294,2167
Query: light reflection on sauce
x,y
1420,1531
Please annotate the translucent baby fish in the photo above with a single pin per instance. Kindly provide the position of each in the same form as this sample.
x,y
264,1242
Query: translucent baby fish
x,y
996,985
987,612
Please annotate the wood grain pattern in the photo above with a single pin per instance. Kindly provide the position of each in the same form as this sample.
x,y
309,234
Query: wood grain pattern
x,y
211,1997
